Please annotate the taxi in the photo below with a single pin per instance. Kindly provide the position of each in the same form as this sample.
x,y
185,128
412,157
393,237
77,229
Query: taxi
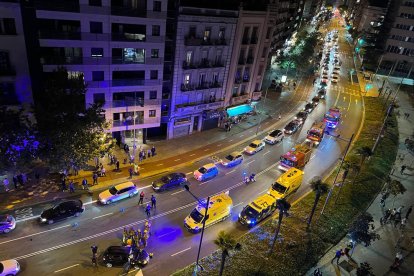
x,y
206,172
254,147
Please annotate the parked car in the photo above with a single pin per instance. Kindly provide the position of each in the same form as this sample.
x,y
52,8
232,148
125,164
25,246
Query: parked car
x,y
169,181
254,147
315,101
61,211
292,126
302,115
233,159
9,268
7,223
118,192
118,256
322,93
335,79
275,136
205,172
309,107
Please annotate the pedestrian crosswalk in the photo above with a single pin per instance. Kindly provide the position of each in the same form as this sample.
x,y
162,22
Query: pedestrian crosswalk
x,y
345,90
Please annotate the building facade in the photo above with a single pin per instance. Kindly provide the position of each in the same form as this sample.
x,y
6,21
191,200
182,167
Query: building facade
x,y
15,82
202,58
118,46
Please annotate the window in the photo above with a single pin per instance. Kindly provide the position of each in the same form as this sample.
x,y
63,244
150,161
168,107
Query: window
x,y
96,52
95,27
98,75
269,30
222,33
207,34
99,98
7,26
187,79
133,55
4,61
260,70
189,57
264,52
235,90
155,30
154,74
152,113
157,6
192,32
155,53
96,3
153,95
215,77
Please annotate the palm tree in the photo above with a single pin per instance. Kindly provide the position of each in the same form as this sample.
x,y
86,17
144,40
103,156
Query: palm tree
x,y
319,187
225,242
283,207
355,168
365,152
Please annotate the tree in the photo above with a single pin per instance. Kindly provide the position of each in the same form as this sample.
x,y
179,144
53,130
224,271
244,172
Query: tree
x,y
72,133
283,207
361,230
364,269
365,152
320,188
19,145
225,242
395,188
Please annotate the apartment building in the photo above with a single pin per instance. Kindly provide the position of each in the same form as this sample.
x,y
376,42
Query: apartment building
x,y
204,42
15,83
118,46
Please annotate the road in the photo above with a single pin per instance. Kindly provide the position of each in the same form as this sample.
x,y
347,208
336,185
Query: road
x,y
64,248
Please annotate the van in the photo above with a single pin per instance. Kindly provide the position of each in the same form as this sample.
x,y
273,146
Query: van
x,y
256,211
287,183
219,208
206,172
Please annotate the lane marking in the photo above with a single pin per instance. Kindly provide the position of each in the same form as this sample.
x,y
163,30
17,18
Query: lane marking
x,y
189,173
242,135
192,154
266,152
178,192
177,159
231,140
230,172
102,215
57,271
240,203
219,145
35,234
202,183
250,162
263,191
350,100
206,149
29,218
169,233
90,202
179,252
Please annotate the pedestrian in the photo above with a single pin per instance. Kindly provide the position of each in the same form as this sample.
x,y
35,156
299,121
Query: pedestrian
x,y
103,171
85,184
117,165
131,172
95,178
153,151
148,210
153,202
15,181
149,153
397,219
403,223
317,272
408,115
348,248
144,154
94,249
20,179
63,183
399,209
141,198
403,167
393,213
71,186
409,212
280,116
140,156
6,184
338,255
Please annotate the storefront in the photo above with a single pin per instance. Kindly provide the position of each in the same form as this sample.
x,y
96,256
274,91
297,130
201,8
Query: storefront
x,y
211,119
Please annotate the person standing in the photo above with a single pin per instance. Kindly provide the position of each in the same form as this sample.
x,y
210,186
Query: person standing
x,y
149,153
95,178
140,156
117,165
6,184
153,151
148,210
153,202
408,212
63,183
338,255
85,184
15,181
131,172
103,171
403,167
71,186
141,198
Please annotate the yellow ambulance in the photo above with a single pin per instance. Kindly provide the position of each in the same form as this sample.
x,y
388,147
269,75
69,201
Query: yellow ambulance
x,y
287,183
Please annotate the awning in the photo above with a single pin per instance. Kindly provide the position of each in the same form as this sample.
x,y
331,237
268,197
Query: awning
x,y
238,110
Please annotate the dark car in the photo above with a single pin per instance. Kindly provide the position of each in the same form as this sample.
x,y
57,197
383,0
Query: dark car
x,y
61,211
292,126
170,181
322,93
302,115
7,223
309,107
119,255
315,100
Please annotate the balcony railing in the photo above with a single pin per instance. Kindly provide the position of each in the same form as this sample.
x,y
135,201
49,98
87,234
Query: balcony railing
x,y
9,71
242,61
249,60
201,86
138,121
53,60
52,5
253,40
197,41
116,83
139,102
199,106
203,64
128,11
56,34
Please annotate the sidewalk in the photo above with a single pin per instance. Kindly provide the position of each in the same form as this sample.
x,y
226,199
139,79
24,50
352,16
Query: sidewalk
x,y
381,253
171,154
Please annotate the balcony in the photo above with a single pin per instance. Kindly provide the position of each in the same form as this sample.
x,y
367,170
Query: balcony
x,y
56,60
137,121
197,41
196,107
221,41
139,102
53,5
245,40
249,60
55,34
9,71
201,86
128,11
193,41
128,37
239,99
242,61
205,63
253,40
117,83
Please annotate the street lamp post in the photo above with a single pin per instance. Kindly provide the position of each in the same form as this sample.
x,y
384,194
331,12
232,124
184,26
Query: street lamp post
x,y
337,174
197,266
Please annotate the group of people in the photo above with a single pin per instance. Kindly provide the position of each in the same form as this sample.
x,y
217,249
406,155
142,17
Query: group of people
x,y
18,180
137,238
144,154
394,216
343,252
250,178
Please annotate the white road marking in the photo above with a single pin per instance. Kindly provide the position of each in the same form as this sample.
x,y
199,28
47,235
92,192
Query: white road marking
x,y
178,192
266,152
202,183
163,235
192,154
29,218
179,252
35,234
219,145
230,172
206,149
57,271
177,159
189,173
159,165
102,215
242,135
250,162
231,140
240,203
262,191
90,202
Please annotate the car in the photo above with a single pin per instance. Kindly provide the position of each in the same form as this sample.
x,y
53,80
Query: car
x,y
205,172
309,107
61,211
315,101
118,255
7,223
275,136
326,67
325,78
118,192
9,267
254,147
169,181
337,68
335,79
292,126
233,159
302,116
322,93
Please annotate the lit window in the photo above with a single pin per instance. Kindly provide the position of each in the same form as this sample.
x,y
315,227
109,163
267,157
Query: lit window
x,y
152,113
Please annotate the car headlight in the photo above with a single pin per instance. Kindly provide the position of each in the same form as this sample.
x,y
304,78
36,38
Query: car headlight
x,y
239,215
144,262
43,219
102,200
196,228
249,221
225,163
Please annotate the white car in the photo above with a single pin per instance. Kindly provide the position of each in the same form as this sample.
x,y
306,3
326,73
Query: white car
x,y
254,147
118,192
275,136
335,79
9,267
